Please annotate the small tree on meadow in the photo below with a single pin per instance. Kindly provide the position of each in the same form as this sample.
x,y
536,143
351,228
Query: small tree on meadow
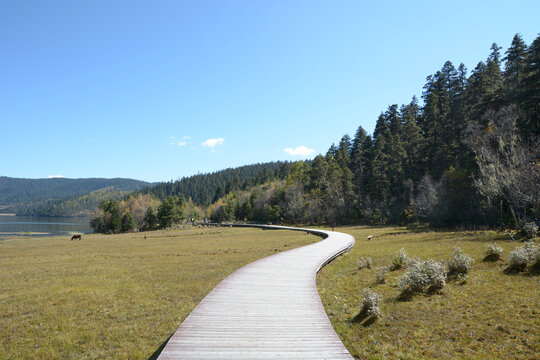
x,y
128,223
150,219
171,211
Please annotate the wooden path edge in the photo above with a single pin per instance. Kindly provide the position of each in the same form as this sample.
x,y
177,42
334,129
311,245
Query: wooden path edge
x,y
268,309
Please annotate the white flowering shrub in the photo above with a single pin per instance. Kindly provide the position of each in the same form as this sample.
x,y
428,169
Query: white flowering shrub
x,y
518,259
460,263
401,260
422,275
380,274
364,263
529,230
371,304
493,252
522,256
368,263
532,251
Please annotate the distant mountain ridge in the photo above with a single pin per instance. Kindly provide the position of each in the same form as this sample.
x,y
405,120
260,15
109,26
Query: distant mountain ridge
x,y
25,196
65,197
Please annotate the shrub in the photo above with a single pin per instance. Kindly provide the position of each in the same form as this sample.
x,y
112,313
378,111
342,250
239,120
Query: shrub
x,y
460,263
422,275
371,304
493,252
522,256
380,274
363,263
529,230
517,259
401,260
368,263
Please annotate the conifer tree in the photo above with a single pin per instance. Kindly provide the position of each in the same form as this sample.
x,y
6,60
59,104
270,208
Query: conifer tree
x,y
413,142
171,211
514,69
360,167
493,85
128,223
529,126
150,219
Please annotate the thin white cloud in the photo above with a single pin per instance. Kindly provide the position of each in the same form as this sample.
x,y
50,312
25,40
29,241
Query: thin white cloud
x,y
300,151
211,143
55,176
174,140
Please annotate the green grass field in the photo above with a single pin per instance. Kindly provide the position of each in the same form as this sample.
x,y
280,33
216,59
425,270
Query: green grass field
x,y
491,316
116,296
122,296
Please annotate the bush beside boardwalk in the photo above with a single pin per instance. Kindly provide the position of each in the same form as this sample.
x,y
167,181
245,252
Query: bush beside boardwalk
x,y
491,314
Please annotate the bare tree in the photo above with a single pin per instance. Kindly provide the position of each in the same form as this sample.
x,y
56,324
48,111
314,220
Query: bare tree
x,y
507,168
293,204
430,202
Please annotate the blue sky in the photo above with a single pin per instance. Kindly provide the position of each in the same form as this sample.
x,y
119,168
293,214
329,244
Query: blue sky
x,y
157,90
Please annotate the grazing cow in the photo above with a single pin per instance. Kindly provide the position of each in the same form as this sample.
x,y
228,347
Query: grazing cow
x,y
370,237
76,237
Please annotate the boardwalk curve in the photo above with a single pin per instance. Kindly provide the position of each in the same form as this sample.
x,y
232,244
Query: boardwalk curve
x,y
268,309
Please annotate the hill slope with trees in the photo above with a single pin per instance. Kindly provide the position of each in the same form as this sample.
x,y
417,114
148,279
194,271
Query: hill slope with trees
x,y
204,189
468,155
165,204
61,196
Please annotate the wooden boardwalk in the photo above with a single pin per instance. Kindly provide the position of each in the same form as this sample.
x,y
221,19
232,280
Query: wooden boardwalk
x,y
269,309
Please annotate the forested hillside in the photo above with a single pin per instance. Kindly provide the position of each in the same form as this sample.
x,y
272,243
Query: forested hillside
x,y
165,204
72,206
61,196
467,155
203,189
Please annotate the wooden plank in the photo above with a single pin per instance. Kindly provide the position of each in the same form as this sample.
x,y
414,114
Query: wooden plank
x,y
269,309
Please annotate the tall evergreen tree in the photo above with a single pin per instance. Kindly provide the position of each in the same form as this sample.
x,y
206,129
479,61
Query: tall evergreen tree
x,y
381,127
529,126
436,108
343,152
514,69
493,86
413,142
360,167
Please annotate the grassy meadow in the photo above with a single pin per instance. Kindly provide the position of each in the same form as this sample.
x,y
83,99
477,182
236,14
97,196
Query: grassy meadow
x,y
492,315
116,296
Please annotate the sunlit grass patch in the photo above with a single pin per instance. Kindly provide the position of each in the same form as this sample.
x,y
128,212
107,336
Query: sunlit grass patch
x,y
116,296
490,315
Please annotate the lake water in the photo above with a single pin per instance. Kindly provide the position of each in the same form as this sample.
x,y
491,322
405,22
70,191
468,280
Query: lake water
x,y
40,226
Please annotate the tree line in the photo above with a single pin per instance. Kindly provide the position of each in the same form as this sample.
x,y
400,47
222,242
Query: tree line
x,y
468,155
204,189
138,212
165,204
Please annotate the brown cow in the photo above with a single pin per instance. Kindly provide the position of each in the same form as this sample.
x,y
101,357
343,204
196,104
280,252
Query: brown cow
x,y
76,237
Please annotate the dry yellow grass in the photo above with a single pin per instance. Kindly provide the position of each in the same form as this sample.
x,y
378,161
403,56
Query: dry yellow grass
x,y
492,316
116,296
